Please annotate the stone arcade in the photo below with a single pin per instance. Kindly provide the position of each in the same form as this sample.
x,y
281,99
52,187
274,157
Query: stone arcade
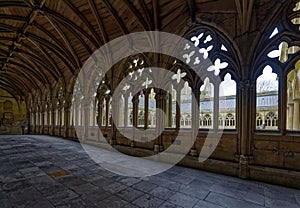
x,y
251,94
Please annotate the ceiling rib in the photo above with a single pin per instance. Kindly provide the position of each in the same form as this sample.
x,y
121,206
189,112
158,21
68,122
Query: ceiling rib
x,y
30,18
99,21
65,39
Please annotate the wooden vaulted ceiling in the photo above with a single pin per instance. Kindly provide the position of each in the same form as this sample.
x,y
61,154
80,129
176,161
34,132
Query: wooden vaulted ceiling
x,y
44,41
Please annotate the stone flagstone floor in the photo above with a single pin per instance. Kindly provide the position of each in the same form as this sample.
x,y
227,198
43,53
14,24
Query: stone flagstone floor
x,y
44,172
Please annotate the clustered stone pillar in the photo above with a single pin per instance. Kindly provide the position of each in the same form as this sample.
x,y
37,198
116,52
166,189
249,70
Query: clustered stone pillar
x,y
195,118
160,119
244,106
290,113
296,114
135,105
67,112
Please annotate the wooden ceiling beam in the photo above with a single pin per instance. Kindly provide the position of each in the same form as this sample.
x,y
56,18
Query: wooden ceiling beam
x,y
14,83
117,18
42,62
58,43
98,20
10,3
155,6
65,39
137,14
69,24
21,31
146,12
12,92
53,48
23,76
86,22
192,9
49,58
56,50
42,29
30,67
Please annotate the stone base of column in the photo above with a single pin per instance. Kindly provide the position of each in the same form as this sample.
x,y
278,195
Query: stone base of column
x,y
243,166
193,152
132,144
112,141
156,148
161,148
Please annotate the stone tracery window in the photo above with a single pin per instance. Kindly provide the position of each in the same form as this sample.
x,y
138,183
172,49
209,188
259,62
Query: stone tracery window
x,y
136,75
271,120
281,51
293,98
186,106
213,48
227,102
267,96
206,104
259,121
77,110
152,109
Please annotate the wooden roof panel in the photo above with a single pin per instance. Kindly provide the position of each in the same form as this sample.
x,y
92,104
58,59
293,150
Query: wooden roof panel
x,y
64,33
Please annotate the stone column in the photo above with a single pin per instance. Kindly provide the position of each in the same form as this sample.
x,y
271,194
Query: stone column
x,y
216,107
290,116
178,101
107,111
86,119
126,114
115,110
135,102
146,112
67,123
135,105
160,119
244,133
53,121
296,114
100,112
195,118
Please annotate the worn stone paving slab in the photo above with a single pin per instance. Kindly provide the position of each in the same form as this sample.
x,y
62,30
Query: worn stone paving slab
x,y
129,194
162,193
148,201
144,186
48,172
229,202
183,200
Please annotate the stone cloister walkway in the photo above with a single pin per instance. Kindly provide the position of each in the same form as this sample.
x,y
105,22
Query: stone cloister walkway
x,y
43,172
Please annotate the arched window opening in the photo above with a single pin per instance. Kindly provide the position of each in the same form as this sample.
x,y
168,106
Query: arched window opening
x,y
293,99
206,121
259,121
109,121
206,104
130,109
270,121
152,109
227,101
104,105
267,96
173,99
141,110
121,113
229,121
186,105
